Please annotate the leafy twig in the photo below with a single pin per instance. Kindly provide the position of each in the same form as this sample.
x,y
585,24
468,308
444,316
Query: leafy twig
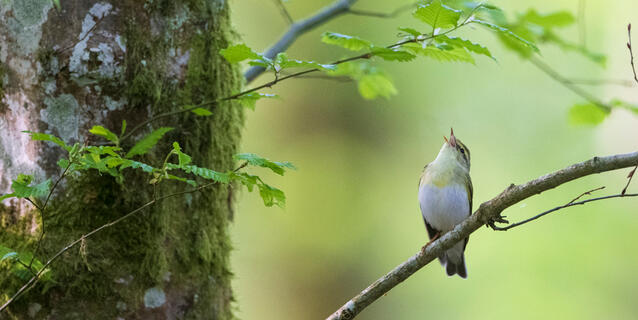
x,y
486,212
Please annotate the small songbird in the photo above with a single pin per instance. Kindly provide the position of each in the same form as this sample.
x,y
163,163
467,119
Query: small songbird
x,y
445,196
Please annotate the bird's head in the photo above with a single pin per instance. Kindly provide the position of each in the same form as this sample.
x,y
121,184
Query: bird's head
x,y
453,148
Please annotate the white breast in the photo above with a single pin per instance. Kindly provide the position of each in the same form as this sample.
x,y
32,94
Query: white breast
x,y
445,207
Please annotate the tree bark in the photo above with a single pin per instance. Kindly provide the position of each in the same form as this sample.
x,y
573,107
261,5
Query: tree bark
x,y
98,63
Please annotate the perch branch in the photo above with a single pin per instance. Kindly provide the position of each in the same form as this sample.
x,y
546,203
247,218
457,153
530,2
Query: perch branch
x,y
486,213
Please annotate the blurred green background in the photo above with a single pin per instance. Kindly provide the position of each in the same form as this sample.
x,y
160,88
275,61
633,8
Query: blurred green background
x,y
352,211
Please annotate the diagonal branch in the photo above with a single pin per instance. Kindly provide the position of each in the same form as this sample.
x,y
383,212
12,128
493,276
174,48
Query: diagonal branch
x,y
297,29
487,212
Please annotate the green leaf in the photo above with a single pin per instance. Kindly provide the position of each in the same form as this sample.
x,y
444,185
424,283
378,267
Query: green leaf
x,y
36,136
9,256
239,52
123,127
411,31
183,158
372,82
467,44
555,19
283,62
625,105
57,5
392,54
443,53
255,160
271,195
136,165
437,15
148,142
376,84
105,133
507,33
250,99
7,196
587,114
348,42
202,112
201,172
22,187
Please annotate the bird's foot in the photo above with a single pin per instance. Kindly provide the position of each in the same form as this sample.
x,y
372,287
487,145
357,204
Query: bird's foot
x,y
493,221
436,236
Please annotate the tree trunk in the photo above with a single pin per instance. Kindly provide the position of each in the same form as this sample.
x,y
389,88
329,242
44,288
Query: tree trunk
x,y
98,63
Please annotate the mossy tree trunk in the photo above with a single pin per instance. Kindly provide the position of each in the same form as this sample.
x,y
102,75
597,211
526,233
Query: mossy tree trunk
x,y
98,63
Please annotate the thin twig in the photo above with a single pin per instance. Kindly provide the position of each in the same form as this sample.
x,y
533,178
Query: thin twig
x,y
582,31
485,213
375,14
598,82
34,279
633,68
84,37
569,204
43,210
566,83
284,11
631,53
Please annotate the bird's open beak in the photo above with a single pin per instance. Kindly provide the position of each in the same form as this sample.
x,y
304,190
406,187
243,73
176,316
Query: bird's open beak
x,y
452,141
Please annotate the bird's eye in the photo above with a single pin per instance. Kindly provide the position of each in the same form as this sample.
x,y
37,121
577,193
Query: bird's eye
x,y
462,150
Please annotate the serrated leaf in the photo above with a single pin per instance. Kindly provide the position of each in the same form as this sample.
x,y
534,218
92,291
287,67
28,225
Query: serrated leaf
x,y
239,52
467,44
36,136
507,33
255,160
443,53
271,195
586,114
283,62
437,15
411,31
392,54
348,42
202,112
105,133
136,165
201,172
250,99
148,142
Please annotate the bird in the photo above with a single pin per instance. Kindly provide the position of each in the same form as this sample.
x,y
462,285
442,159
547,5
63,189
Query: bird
x,y
445,199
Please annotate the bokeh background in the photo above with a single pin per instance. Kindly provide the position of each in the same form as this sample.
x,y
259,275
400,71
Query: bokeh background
x,y
352,212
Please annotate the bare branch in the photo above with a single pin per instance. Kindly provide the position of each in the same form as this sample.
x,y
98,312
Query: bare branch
x,y
297,29
487,212
284,12
567,83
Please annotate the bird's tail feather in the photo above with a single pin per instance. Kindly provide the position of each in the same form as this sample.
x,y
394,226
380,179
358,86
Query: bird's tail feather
x,y
455,268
